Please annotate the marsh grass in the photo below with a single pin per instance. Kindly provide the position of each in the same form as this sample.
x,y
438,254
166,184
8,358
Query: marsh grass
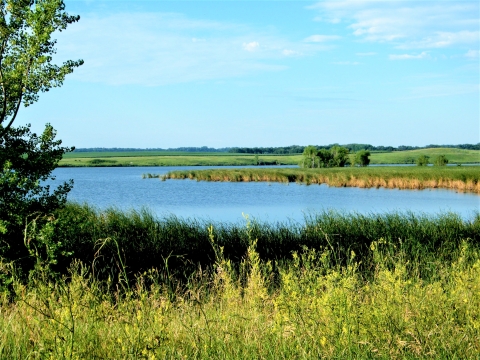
x,y
316,309
465,179
141,241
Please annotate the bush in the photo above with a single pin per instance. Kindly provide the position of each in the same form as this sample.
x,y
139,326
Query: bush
x,y
422,160
440,160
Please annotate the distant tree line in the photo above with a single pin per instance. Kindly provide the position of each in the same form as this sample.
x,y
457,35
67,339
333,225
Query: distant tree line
x,y
292,149
183,149
352,148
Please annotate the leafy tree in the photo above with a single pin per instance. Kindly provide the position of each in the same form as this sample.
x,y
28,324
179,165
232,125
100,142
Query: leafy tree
x,y
310,154
362,158
325,158
423,160
27,160
26,50
339,156
440,160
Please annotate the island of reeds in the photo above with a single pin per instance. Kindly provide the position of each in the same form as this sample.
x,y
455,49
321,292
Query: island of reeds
x,y
459,178
118,285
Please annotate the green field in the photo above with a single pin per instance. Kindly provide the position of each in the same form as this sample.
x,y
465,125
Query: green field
x,y
160,158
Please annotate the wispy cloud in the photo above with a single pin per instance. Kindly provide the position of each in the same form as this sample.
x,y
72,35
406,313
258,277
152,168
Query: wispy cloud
x,y
406,24
251,46
422,55
321,38
472,54
163,48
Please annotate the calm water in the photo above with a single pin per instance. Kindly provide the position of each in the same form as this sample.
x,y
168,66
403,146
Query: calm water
x,y
125,189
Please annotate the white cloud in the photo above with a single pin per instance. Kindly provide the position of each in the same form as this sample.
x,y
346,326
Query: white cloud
x,y
288,52
251,46
473,54
407,24
422,55
160,48
321,38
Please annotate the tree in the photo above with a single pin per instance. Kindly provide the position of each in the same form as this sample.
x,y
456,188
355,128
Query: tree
x,y
440,160
325,158
362,158
26,50
310,154
339,156
26,70
422,160
28,160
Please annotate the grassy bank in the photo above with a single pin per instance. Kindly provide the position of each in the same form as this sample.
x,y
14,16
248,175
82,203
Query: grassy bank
x,y
158,158
454,178
413,291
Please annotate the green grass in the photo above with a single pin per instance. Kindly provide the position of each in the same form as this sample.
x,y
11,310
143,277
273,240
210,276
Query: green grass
x,y
454,156
159,158
177,160
412,292
462,178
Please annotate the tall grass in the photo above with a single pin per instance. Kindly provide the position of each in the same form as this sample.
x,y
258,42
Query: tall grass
x,y
455,178
316,309
110,239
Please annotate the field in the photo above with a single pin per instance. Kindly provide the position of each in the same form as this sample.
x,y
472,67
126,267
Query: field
x,y
158,158
460,178
344,286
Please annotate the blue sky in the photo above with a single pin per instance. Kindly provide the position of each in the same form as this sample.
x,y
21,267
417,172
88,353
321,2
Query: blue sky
x,y
266,73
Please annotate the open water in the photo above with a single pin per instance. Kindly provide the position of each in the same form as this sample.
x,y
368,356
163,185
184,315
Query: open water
x,y
124,188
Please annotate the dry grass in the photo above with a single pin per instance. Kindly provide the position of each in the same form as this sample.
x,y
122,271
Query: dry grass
x,y
464,179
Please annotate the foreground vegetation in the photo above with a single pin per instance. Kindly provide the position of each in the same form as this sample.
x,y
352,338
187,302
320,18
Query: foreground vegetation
x,y
159,158
338,285
454,178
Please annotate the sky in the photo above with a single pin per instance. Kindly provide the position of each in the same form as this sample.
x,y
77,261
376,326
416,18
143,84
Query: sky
x,y
166,74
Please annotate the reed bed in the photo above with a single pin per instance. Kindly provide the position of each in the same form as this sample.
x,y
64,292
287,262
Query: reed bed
x,y
140,241
463,179
316,310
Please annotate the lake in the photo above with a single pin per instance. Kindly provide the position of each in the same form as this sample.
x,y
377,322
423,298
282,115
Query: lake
x,y
124,188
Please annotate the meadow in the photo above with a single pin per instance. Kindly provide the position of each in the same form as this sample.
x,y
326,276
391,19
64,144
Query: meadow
x,y
394,286
160,158
459,178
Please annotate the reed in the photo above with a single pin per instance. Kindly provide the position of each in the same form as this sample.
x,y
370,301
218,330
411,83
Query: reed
x,y
141,241
464,179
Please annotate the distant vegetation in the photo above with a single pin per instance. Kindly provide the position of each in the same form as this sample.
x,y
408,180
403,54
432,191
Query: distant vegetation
x,y
292,149
157,158
454,178
297,149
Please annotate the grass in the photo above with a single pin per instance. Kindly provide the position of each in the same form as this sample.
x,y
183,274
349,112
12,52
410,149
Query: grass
x,y
308,307
454,156
141,242
455,178
158,158
178,160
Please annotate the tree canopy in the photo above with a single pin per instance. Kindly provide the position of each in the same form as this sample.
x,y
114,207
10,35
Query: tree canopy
x,y
26,49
